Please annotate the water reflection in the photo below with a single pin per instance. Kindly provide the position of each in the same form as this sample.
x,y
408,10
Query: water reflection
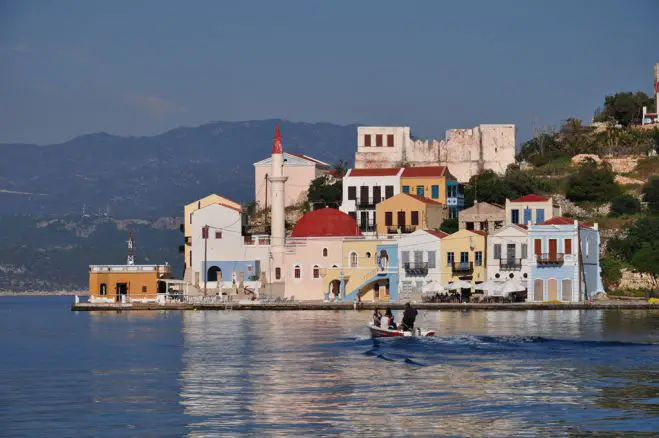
x,y
496,373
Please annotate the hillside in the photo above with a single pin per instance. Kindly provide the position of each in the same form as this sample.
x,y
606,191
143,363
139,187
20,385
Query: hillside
x,y
150,177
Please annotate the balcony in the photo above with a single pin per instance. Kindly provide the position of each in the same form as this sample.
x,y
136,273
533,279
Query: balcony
x,y
416,269
510,264
367,227
463,266
257,240
404,229
367,203
548,259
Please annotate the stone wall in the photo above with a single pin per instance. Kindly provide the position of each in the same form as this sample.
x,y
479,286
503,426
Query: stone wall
x,y
634,281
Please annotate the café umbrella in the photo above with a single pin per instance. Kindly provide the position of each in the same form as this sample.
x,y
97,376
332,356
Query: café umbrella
x,y
432,287
460,284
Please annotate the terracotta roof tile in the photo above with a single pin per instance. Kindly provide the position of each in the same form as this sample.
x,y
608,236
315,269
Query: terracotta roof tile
x,y
482,233
422,199
375,172
326,222
308,158
410,172
531,198
439,234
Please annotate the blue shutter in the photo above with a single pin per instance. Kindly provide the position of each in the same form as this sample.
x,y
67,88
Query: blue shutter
x,y
539,215
406,189
528,216
420,191
435,192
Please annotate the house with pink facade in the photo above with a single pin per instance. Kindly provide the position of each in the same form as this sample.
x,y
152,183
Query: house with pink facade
x,y
300,170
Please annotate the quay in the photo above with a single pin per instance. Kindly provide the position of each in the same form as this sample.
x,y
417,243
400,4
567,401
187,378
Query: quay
x,y
255,305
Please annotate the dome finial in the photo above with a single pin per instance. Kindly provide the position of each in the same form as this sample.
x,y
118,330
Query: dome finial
x,y
276,144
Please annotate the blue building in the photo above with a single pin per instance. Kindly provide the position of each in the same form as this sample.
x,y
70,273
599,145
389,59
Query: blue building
x,y
564,265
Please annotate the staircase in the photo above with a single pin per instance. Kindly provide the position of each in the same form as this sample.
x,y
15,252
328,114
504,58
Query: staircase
x,y
367,279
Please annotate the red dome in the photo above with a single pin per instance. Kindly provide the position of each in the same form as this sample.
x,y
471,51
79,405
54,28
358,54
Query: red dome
x,y
326,222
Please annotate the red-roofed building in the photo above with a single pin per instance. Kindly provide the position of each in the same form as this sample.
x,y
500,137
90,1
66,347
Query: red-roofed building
x,y
531,209
435,182
407,213
326,222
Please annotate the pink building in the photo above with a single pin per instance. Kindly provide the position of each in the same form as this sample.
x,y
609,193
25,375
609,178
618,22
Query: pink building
x,y
299,168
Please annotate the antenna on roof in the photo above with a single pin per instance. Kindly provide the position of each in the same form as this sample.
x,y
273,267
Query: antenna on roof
x,y
130,260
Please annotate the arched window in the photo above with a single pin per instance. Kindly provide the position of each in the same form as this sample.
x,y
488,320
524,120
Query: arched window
x,y
213,273
104,289
335,266
368,254
316,271
324,252
297,271
353,260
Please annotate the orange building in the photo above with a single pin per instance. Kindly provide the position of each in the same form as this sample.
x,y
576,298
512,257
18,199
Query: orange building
x,y
126,283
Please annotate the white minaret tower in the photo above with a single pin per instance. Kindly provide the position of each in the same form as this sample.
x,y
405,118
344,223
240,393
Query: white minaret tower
x,y
277,222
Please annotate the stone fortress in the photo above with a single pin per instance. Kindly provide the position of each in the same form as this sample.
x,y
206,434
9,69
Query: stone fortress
x,y
466,152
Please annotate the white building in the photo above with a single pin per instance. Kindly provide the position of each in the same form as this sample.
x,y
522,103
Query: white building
x,y
531,209
419,254
507,255
363,189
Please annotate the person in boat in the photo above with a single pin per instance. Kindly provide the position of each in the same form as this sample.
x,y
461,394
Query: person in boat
x,y
390,316
377,317
409,316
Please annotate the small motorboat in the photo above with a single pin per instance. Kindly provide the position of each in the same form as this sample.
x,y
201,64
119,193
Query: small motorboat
x,y
381,332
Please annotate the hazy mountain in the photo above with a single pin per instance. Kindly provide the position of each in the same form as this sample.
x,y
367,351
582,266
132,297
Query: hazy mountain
x,y
149,177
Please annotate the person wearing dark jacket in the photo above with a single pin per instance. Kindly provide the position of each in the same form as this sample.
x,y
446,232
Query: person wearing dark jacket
x,y
409,316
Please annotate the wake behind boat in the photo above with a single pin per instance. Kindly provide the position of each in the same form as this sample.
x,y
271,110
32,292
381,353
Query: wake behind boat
x,y
381,332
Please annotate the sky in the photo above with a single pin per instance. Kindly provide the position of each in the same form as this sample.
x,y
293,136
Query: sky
x,y
142,67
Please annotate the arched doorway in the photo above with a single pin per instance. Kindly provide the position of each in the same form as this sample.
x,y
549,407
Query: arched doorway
x,y
384,260
213,273
334,289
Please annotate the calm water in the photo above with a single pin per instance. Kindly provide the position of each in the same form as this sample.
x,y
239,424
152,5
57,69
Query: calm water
x,y
317,373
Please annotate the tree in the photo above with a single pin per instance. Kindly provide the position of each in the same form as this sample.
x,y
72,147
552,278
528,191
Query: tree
x,y
576,137
611,271
339,169
646,260
449,226
625,204
325,191
644,231
487,186
625,108
593,182
540,150
651,194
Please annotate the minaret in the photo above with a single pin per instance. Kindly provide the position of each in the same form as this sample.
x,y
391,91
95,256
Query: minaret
x,y
277,222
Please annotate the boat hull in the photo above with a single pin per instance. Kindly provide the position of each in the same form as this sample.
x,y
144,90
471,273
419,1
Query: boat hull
x,y
379,332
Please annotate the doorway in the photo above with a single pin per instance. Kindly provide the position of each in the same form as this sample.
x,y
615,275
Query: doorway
x,y
122,290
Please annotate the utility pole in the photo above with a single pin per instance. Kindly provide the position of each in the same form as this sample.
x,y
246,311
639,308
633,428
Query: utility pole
x,y
266,203
204,235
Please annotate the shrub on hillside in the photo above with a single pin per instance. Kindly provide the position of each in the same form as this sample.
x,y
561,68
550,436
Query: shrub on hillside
x,y
651,194
593,183
625,204
611,271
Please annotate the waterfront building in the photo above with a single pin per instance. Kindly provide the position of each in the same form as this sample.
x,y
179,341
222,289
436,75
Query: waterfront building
x,y
482,216
466,152
363,189
565,262
187,224
127,283
436,183
531,209
300,170
420,258
464,256
507,255
406,213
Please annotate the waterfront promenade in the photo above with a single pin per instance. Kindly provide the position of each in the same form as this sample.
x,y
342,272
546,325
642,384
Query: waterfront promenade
x,y
311,305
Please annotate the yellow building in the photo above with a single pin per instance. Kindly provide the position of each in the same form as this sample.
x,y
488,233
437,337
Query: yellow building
x,y
408,213
126,283
463,256
436,183
187,220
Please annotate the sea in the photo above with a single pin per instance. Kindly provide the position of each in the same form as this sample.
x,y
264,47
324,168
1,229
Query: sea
x,y
318,373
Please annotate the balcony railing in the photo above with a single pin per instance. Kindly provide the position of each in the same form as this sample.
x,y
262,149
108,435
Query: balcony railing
x,y
416,268
404,229
367,203
463,266
510,264
550,258
367,227
257,240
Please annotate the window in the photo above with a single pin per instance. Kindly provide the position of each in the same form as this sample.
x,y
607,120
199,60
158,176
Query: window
x,y
406,189
453,212
352,193
539,215
528,216
388,191
353,260
525,250
568,246
464,257
449,258
415,218
367,140
478,255
418,258
104,289
434,192
316,271
297,271
324,252
388,219
497,251
143,289
514,216
390,140
537,246
218,234
432,264
277,273
420,191
405,255
353,214
368,254
378,140
401,218
470,225
377,194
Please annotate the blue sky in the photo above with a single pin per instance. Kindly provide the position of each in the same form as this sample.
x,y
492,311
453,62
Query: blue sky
x,y
142,67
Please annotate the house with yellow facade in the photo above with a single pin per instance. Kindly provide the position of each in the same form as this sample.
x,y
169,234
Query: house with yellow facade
x,y
127,283
463,257
436,183
407,213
